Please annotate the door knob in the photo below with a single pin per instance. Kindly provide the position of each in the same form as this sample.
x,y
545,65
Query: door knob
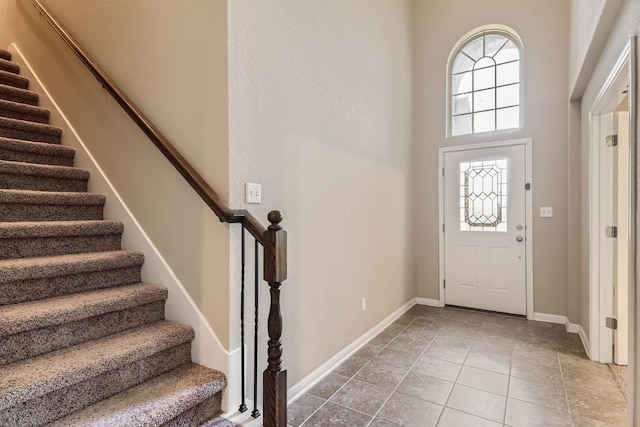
x,y
519,239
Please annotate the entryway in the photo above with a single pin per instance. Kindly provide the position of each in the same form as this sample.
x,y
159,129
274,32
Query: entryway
x,y
611,243
486,235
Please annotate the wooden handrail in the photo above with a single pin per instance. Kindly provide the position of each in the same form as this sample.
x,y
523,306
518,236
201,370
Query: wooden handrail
x,y
204,190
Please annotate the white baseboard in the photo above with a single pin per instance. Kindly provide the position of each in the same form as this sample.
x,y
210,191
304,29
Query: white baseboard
x,y
550,318
428,301
316,376
573,328
585,340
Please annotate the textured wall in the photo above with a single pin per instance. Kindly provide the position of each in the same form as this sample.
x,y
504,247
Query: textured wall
x,y
438,25
320,115
591,22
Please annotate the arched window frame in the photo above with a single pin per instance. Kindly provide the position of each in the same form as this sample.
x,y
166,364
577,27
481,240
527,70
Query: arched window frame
x,y
468,39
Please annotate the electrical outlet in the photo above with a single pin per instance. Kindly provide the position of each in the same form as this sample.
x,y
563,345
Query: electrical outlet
x,y
546,212
363,304
253,193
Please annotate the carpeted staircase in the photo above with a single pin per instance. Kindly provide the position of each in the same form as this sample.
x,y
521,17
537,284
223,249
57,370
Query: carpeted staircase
x,y
82,341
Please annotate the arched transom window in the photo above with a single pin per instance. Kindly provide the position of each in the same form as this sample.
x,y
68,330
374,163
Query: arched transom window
x,y
485,84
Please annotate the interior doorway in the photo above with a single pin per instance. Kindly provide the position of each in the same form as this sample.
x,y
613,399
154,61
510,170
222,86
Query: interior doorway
x,y
611,193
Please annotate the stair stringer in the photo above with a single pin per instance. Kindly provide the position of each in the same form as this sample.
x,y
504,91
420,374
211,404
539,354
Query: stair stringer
x,y
206,347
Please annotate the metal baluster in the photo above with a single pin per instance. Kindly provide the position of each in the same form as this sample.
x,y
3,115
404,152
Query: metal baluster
x,y
243,405
255,413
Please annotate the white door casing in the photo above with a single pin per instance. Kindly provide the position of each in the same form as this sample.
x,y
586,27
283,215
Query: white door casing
x,y
621,300
611,202
613,181
485,255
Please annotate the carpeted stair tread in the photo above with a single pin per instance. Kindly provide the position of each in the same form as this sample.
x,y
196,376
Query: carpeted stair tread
x,y
45,238
26,112
30,176
5,54
154,403
9,66
37,147
12,79
27,205
29,131
23,317
219,422
29,197
12,270
43,170
16,150
12,230
38,376
31,279
15,94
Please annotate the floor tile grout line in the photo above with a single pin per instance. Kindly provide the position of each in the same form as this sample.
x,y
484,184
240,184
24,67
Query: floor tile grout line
x,y
352,377
506,402
564,388
405,375
456,383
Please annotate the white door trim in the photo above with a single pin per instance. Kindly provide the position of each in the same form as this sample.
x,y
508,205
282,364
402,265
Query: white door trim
x,y
600,340
528,210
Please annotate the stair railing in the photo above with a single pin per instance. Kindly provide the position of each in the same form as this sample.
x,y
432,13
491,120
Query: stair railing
x,y
273,238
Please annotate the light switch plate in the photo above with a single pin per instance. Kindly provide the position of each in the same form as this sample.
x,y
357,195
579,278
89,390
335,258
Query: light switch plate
x,y
253,193
546,212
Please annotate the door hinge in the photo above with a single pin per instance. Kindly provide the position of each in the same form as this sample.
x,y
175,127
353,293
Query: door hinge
x,y
527,186
612,140
444,284
442,171
443,228
611,231
612,323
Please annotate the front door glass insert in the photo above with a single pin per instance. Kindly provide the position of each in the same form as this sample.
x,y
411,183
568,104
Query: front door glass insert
x,y
483,195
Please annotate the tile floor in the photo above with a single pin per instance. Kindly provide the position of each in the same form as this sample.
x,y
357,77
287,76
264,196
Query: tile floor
x,y
450,367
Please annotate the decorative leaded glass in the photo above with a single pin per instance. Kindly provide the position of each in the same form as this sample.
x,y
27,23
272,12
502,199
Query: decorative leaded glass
x,y
483,195
485,84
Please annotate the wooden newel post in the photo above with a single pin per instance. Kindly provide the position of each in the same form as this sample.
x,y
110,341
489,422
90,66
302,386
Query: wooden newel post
x,y
275,272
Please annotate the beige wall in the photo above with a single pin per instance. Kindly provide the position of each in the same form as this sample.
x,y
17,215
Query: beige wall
x,y
438,25
177,74
320,99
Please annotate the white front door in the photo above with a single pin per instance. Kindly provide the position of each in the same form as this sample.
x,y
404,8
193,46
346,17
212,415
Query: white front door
x,y
485,229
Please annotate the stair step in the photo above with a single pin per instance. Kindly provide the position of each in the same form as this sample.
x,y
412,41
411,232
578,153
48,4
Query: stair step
x,y
56,384
26,205
34,328
27,176
5,54
157,402
38,239
29,131
9,66
16,150
11,93
57,311
12,79
26,112
29,279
